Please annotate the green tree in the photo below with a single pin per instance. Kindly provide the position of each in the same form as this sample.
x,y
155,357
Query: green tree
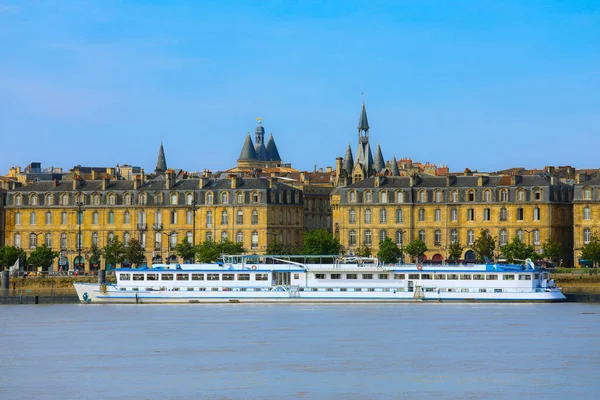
x,y
209,251
517,250
43,257
114,252
277,248
96,255
552,249
10,254
591,250
185,250
134,253
415,249
484,245
455,251
319,242
388,252
363,251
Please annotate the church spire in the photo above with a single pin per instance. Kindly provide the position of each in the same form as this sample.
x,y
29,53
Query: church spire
x,y
272,151
161,163
348,162
363,122
378,163
248,153
394,169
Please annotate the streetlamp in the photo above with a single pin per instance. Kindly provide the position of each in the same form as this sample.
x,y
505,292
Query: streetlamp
x,y
79,241
169,235
194,208
401,244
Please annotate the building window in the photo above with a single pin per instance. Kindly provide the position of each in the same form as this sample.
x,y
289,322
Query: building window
x,y
255,197
382,235
487,196
209,236
422,235
172,240
111,217
126,217
189,217
240,198
189,199
503,214
453,236
438,196
49,199
368,237
520,195
504,196
189,237
174,199
384,197
520,214
352,216
587,214
454,214
536,237
111,199
32,241
209,219
587,193
470,237
520,235
470,214
399,237
65,200
48,240
63,240
368,216
368,196
254,241
79,217
33,200
471,196
383,216
437,237
111,235
126,238
143,199
454,196
32,219
421,214
225,198
536,214
400,197
437,215
95,239
239,218
173,216
587,235
209,198
422,196
503,237
239,237
18,218
352,197
128,199
18,200
63,218
224,218
17,240
398,216
254,219
537,194
486,214
95,218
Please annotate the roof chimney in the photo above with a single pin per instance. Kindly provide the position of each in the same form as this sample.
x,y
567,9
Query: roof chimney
x,y
105,181
169,179
235,181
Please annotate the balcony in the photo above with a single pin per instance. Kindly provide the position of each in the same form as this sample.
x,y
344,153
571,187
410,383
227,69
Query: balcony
x,y
142,226
158,226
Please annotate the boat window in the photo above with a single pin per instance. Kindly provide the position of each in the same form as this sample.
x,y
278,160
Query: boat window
x,y
371,289
202,289
478,277
183,277
399,276
296,276
439,276
261,277
123,288
215,289
383,276
152,277
525,277
125,277
357,289
227,277
175,289
314,289
536,276
351,276
319,276
367,276
497,290
451,290
190,289
343,289
243,277
336,276
464,290
166,277
135,289
482,290
508,277
138,277
425,276
452,277
197,277
465,277
212,277
492,277
413,276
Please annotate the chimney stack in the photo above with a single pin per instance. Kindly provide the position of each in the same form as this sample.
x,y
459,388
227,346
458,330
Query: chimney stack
x,y
105,181
169,179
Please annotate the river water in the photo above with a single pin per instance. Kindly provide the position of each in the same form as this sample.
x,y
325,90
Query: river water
x,y
237,351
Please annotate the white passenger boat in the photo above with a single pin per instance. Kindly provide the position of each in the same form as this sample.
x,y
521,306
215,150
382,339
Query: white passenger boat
x,y
277,279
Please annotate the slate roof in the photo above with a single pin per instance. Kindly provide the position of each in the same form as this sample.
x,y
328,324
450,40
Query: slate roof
x,y
161,163
272,149
378,162
363,122
348,162
248,153
395,171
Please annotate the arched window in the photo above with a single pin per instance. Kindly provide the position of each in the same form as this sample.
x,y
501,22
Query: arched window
x,y
240,198
587,193
32,241
143,199
399,216
352,237
587,214
504,195
225,198
255,198
33,200
368,237
97,199
352,216
254,240
454,196
470,237
174,199
383,216
254,219
48,240
503,237
49,199
537,194
18,200
239,237
438,196
189,199
128,199
453,236
32,218
384,197
368,216
487,196
520,195
437,237
471,195
368,196
400,197
422,196
111,199
65,200
224,217
209,198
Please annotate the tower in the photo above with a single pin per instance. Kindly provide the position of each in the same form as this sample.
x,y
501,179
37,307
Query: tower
x,y
161,163
364,157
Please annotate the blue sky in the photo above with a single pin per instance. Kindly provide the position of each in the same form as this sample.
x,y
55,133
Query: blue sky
x,y
485,85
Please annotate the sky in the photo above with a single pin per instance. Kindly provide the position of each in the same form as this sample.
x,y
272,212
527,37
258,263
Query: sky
x,y
485,85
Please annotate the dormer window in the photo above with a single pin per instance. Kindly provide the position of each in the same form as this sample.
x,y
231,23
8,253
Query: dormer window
x,y
384,197
471,195
352,196
587,193
18,200
368,197
422,196
209,198
400,197
33,200
225,198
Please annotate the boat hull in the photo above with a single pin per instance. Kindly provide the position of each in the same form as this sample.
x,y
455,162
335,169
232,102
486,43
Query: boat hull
x,y
94,294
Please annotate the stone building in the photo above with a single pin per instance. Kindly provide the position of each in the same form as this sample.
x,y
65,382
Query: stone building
x,y
586,212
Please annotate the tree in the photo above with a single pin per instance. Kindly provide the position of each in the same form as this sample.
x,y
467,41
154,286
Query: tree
x,y
95,256
10,254
185,250
114,252
363,251
517,250
42,256
389,252
276,248
210,251
134,253
455,251
484,245
319,242
552,249
416,248
591,250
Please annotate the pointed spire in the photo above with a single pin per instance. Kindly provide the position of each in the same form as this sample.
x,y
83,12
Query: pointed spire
x,y
395,171
363,122
379,162
248,153
272,151
348,162
161,163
